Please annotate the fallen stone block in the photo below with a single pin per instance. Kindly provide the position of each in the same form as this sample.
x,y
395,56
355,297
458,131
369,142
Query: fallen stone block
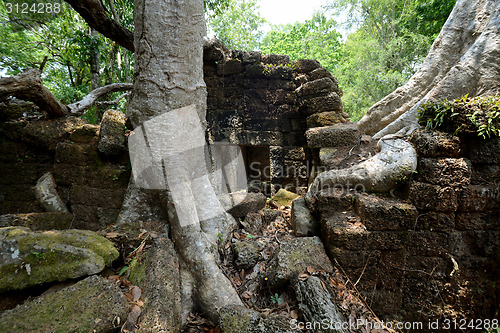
x,y
28,258
91,305
46,194
112,134
333,136
303,222
294,256
242,320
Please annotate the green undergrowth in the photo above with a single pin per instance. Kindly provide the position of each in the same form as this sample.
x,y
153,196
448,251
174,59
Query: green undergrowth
x,y
464,115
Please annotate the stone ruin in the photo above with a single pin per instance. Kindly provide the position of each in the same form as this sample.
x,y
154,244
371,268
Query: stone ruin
x,y
428,250
265,104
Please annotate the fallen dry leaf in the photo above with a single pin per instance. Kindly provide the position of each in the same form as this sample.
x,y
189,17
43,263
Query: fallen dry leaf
x,y
112,234
294,314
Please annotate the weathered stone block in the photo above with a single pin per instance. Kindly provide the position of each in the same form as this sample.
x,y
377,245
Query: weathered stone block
x,y
433,197
287,85
385,214
320,73
256,71
254,138
317,304
47,133
284,198
243,320
325,119
29,258
229,67
429,244
76,154
251,57
434,221
303,222
333,136
90,196
316,87
386,240
252,202
294,256
478,220
294,153
90,305
478,198
275,59
247,253
305,65
160,278
84,134
429,143
484,151
337,232
454,172
112,134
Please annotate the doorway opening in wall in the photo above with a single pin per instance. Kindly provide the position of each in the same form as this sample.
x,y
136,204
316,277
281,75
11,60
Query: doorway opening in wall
x,y
258,167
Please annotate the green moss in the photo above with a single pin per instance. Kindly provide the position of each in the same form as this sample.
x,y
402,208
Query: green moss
x,y
89,305
39,257
137,272
284,197
464,115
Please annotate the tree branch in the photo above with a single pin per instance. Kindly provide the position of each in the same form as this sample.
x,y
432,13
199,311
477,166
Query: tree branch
x,y
95,15
89,100
114,102
28,86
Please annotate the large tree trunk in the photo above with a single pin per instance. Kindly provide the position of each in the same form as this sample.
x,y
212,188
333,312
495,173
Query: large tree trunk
x,y
464,59
168,106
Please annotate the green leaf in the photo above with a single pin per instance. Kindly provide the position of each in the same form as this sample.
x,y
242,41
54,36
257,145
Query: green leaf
x,y
123,270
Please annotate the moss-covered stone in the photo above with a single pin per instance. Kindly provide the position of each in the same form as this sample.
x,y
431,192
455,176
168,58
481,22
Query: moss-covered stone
x,y
137,271
284,197
91,305
295,256
29,258
325,119
242,320
246,253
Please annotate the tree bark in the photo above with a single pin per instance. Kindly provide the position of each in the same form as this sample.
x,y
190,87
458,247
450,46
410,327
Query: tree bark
x,y
96,16
463,60
28,86
168,81
95,78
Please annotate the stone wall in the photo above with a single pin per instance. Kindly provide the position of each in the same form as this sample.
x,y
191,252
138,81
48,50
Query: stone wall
x,y
91,184
433,253
265,103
